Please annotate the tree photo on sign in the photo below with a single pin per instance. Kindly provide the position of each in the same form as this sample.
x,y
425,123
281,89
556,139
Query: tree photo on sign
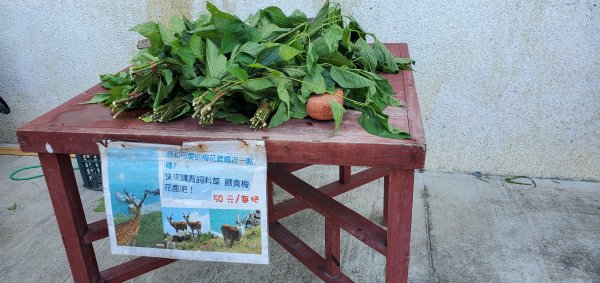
x,y
260,72
134,197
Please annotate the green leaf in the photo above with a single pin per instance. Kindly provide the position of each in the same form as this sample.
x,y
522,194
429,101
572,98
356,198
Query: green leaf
x,y
177,24
404,61
251,97
252,48
150,31
280,117
216,63
229,39
365,55
149,57
378,124
320,46
268,56
237,118
346,39
210,82
319,19
118,92
209,31
215,12
298,17
383,84
167,74
346,78
394,102
147,118
98,98
186,54
203,20
187,71
329,82
298,107
197,46
284,96
147,80
254,19
230,29
286,52
335,58
357,30
338,113
277,16
238,72
271,70
255,85
387,62
195,81
313,83
189,24
234,53
332,36
166,34
185,83
311,58
294,72
244,59
271,31
161,94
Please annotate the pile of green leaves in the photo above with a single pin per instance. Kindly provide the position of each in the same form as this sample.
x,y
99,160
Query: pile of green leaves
x,y
259,72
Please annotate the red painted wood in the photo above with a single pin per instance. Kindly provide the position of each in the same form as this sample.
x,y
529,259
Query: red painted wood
x,y
294,205
133,268
399,223
386,193
354,223
291,167
96,231
345,174
70,217
332,247
307,256
414,113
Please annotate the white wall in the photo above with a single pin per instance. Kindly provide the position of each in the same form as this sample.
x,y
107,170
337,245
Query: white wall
x,y
506,87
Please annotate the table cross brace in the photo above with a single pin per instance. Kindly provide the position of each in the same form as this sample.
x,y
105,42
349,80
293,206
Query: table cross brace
x,y
337,216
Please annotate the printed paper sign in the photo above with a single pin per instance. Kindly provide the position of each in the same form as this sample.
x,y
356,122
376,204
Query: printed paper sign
x,y
199,201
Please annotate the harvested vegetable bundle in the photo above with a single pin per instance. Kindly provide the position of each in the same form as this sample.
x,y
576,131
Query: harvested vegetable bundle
x,y
259,72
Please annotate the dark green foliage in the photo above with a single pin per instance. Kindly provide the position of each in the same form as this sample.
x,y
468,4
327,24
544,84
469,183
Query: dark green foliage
x,y
222,67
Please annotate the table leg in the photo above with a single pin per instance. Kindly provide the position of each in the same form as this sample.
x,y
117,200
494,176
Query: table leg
x,y
386,193
332,247
72,224
345,174
400,199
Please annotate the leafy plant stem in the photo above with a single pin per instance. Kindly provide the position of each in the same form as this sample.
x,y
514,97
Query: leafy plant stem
x,y
138,69
259,120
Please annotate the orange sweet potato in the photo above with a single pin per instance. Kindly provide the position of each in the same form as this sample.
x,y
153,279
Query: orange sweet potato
x,y
318,105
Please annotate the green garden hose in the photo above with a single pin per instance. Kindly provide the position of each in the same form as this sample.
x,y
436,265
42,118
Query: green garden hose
x,y
12,176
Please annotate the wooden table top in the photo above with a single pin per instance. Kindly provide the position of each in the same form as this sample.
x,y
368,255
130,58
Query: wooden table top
x,y
77,128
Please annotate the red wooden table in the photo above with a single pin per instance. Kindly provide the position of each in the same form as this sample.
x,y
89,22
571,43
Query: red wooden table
x,y
75,128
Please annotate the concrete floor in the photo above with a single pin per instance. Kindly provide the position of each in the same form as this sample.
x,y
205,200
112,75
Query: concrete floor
x,y
464,230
